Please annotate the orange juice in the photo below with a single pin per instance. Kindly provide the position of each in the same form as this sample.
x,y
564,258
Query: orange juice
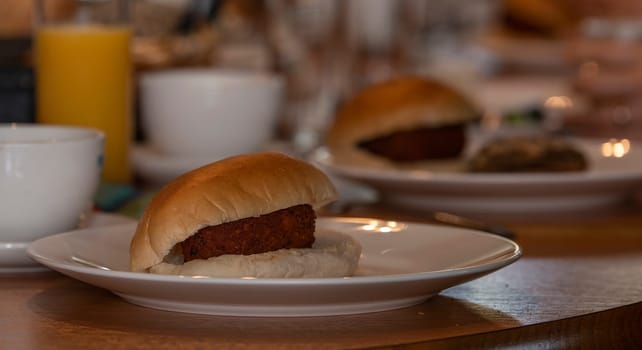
x,y
84,78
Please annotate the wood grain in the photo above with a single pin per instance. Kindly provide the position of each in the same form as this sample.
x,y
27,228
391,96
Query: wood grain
x,y
579,285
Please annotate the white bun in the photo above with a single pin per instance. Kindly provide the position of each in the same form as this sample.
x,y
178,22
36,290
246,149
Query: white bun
x,y
332,255
228,190
399,104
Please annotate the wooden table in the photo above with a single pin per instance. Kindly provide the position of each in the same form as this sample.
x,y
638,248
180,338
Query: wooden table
x,y
578,285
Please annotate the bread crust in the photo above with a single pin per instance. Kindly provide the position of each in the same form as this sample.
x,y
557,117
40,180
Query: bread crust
x,y
227,190
400,104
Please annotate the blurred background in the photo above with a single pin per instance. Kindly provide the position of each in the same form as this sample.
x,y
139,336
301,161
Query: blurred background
x,y
570,64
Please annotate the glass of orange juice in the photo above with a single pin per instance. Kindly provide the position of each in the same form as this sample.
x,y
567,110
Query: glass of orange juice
x,y
83,72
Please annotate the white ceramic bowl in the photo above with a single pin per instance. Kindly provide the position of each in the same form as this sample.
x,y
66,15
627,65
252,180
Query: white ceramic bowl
x,y
208,112
49,176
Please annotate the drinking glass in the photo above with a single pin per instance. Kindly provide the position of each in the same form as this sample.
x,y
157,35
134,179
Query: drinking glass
x,y
83,70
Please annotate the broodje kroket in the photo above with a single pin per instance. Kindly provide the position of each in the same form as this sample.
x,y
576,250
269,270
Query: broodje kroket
x,y
401,120
250,215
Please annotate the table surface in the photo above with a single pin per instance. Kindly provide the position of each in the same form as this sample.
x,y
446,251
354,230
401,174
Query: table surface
x,y
578,284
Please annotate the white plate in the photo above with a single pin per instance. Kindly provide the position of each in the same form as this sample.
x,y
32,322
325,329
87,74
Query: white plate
x,y
13,256
609,180
158,169
402,264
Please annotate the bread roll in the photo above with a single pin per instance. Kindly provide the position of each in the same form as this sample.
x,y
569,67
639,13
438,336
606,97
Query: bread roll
x,y
228,190
400,104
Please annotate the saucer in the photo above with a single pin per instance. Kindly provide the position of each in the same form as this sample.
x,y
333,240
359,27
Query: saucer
x,y
14,259
13,256
157,168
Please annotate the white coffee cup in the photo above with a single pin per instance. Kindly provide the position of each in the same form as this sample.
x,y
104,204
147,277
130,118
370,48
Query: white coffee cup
x,y
49,176
209,113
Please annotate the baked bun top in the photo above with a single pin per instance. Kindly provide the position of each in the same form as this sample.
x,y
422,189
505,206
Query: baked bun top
x,y
399,104
227,190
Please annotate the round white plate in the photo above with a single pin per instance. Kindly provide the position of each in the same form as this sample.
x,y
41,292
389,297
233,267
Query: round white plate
x,y
402,264
14,258
158,168
609,180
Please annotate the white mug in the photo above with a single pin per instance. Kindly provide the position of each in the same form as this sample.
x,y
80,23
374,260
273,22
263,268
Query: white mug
x,y
49,176
209,113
